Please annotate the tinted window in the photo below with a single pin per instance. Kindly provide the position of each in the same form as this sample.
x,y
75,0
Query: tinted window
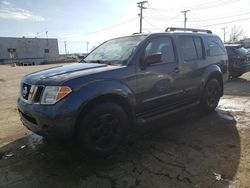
x,y
188,49
216,47
199,47
161,45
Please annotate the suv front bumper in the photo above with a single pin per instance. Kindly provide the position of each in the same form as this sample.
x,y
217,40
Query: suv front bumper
x,y
47,121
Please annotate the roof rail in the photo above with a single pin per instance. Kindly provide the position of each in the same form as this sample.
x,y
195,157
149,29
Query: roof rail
x,y
169,29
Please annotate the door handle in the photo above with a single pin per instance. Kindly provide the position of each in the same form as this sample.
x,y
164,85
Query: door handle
x,y
176,70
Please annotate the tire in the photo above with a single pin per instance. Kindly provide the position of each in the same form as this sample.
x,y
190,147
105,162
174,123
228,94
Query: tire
x,y
211,95
102,129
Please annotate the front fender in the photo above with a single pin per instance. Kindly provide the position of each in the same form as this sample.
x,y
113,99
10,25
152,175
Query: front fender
x,y
103,87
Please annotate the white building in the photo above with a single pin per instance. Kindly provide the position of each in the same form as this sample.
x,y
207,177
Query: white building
x,y
28,50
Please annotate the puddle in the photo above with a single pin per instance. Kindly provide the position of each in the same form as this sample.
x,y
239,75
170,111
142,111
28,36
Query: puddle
x,y
225,115
235,104
34,141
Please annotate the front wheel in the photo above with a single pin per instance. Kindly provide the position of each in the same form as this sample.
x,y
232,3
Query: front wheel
x,y
211,95
102,129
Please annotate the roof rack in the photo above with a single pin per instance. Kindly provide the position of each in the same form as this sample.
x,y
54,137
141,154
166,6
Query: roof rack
x,y
169,29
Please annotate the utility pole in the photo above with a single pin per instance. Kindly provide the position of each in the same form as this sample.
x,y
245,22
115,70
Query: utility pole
x,y
87,47
46,34
185,17
141,6
65,46
224,33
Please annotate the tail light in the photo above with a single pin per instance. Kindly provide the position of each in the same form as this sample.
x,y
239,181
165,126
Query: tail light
x,y
239,59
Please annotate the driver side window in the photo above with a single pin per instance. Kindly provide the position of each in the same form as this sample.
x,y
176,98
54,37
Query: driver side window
x,y
161,45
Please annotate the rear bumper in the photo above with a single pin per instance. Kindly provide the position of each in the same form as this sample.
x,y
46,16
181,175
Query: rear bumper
x,y
239,68
47,121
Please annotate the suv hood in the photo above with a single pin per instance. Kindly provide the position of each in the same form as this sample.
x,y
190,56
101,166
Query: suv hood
x,y
63,73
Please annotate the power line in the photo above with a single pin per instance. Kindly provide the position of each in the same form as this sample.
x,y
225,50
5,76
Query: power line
x,y
154,13
162,17
163,10
163,20
150,24
157,12
200,19
213,4
224,17
226,22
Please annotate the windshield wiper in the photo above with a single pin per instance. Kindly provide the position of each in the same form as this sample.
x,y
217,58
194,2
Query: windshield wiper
x,y
97,61
83,61
111,62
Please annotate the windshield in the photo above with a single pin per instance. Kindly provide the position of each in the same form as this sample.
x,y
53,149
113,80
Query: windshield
x,y
115,51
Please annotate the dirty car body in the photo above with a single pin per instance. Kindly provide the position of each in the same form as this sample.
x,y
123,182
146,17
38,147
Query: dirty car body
x,y
146,75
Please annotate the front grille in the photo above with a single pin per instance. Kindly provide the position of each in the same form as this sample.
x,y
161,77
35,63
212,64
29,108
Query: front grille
x,y
31,93
38,94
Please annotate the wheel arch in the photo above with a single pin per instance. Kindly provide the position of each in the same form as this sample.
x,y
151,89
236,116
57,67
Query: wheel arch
x,y
213,72
216,75
108,97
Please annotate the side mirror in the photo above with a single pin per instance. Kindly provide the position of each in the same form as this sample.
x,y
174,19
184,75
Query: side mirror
x,y
151,59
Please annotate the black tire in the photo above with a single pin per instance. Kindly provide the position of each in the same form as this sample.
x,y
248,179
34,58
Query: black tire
x,y
102,129
211,95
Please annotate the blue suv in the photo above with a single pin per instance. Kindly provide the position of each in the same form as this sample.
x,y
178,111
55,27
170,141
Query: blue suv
x,y
239,60
123,81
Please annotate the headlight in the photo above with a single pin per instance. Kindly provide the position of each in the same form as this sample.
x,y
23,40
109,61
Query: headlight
x,y
53,94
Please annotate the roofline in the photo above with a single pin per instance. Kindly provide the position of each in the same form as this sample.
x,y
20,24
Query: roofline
x,y
27,38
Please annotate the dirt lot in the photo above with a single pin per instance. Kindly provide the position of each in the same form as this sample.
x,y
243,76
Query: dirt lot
x,y
188,149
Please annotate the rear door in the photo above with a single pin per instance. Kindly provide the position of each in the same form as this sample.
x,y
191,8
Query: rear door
x,y
192,64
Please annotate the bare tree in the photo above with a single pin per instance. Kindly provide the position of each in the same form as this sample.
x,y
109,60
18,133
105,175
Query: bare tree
x,y
236,33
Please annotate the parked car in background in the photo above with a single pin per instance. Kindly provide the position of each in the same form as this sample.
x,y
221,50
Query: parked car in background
x,y
238,58
125,80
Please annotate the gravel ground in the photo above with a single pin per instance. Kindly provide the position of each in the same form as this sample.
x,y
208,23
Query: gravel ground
x,y
187,149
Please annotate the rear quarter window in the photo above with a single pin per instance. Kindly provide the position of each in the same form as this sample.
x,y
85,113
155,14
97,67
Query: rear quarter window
x,y
215,46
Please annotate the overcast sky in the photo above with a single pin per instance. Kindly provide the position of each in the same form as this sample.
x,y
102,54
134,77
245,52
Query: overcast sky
x,y
82,21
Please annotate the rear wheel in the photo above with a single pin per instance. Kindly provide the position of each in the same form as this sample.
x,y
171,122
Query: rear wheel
x,y
211,95
102,129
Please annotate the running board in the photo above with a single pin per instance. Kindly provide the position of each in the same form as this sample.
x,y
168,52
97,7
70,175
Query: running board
x,y
142,120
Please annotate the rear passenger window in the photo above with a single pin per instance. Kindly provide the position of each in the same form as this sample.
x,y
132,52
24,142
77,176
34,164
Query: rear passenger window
x,y
161,45
216,47
199,47
188,49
